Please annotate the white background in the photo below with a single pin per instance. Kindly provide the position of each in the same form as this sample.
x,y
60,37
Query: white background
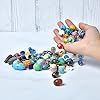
x,y
25,23
42,15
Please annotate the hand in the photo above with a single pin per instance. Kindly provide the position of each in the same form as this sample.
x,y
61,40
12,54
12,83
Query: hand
x,y
88,46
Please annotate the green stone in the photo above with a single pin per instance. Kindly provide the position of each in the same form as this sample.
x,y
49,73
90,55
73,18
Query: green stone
x,y
37,67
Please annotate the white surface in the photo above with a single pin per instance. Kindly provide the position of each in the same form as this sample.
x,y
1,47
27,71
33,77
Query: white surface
x,y
81,84
37,15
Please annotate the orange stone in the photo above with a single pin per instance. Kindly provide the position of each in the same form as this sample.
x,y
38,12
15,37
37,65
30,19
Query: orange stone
x,y
65,35
26,63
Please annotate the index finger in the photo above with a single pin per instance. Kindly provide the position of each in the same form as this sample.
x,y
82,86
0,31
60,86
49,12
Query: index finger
x,y
70,24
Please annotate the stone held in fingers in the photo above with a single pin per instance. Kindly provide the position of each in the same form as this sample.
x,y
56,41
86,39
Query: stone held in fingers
x,y
60,46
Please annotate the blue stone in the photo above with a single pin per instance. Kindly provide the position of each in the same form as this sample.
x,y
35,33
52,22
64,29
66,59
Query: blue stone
x,y
80,56
69,62
32,51
62,27
31,66
80,62
81,33
44,52
22,53
68,30
38,56
66,56
18,65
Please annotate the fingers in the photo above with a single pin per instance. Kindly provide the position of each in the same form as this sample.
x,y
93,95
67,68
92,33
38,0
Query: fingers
x,y
70,47
84,26
70,23
66,46
56,31
60,23
58,40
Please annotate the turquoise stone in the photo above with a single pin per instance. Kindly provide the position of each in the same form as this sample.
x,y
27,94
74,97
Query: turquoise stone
x,y
18,65
65,57
62,27
61,69
32,61
68,30
70,39
61,61
45,66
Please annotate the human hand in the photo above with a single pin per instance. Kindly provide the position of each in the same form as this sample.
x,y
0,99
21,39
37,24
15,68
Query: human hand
x,y
88,46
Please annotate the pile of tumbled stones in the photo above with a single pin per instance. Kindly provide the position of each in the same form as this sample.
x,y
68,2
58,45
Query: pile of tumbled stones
x,y
53,60
56,61
40,61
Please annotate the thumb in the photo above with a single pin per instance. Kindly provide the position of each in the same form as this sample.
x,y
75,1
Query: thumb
x,y
84,26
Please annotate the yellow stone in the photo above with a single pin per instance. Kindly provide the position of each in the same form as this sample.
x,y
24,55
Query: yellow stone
x,y
65,40
27,54
72,27
65,36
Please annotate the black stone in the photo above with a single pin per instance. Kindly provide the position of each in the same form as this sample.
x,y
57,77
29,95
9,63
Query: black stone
x,y
6,60
55,74
69,62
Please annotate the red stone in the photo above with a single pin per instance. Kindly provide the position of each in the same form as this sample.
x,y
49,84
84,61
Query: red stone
x,y
58,82
60,46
